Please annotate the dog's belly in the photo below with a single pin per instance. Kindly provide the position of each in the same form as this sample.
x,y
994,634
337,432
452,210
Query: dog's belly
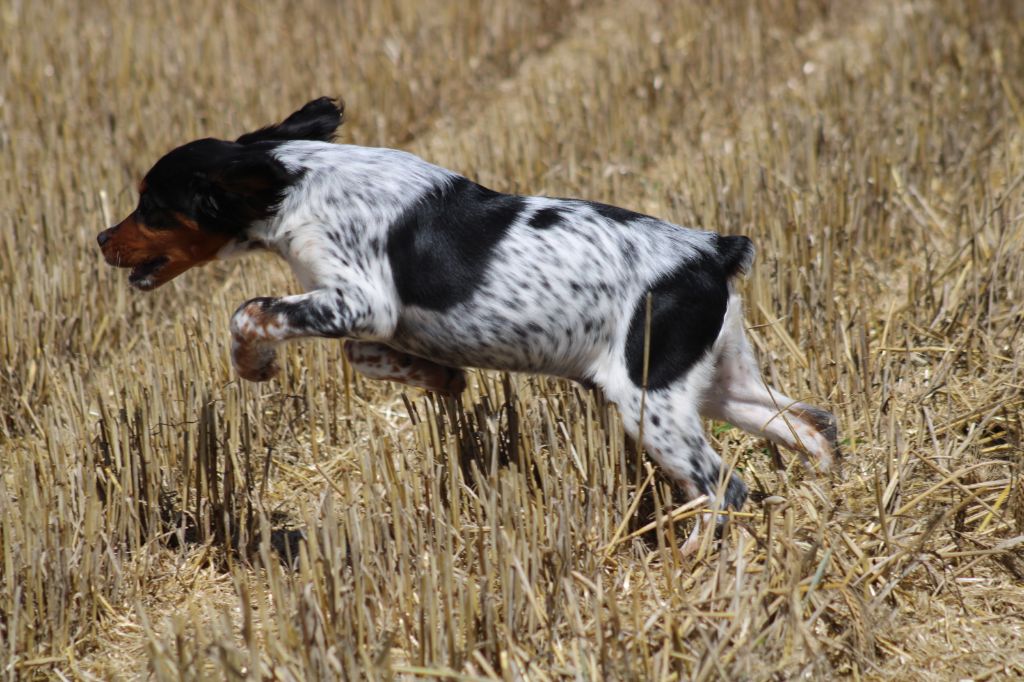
x,y
556,341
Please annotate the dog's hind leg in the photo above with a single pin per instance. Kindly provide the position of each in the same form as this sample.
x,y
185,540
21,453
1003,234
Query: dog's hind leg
x,y
738,394
674,436
378,361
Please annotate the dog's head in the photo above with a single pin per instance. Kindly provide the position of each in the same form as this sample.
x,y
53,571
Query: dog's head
x,y
201,196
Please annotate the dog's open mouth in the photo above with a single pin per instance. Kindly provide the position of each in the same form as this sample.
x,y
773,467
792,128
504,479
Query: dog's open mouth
x,y
141,275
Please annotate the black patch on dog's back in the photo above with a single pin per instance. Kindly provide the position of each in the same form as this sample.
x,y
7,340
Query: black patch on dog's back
x,y
441,246
545,218
616,213
687,309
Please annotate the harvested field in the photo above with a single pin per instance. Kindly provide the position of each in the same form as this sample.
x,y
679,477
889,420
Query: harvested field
x,y
161,519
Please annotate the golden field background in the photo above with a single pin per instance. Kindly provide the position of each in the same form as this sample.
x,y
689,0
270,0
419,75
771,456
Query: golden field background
x,y
160,519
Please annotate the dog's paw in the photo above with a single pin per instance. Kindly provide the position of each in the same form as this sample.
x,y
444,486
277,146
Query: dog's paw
x,y
818,430
254,362
455,384
258,374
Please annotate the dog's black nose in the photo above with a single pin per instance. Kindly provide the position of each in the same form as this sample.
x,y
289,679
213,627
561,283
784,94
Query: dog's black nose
x,y
103,237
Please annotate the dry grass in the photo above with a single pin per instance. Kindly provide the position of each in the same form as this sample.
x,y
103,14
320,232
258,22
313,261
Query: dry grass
x,y
158,518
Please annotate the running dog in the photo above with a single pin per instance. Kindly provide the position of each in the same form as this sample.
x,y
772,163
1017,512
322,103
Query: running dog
x,y
425,272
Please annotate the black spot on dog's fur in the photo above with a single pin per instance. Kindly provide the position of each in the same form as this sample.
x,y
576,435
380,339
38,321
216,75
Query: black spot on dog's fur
x,y
545,218
616,213
441,247
687,309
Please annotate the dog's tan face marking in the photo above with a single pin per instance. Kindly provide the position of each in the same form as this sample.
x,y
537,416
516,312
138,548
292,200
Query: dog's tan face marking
x,y
157,256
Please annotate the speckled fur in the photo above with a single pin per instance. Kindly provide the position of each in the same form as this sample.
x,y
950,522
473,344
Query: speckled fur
x,y
556,300
425,273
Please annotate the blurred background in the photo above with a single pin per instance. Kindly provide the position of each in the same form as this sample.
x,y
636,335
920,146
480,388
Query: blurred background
x,y
160,519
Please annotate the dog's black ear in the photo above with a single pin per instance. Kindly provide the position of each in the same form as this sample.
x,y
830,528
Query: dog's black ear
x,y
246,187
318,120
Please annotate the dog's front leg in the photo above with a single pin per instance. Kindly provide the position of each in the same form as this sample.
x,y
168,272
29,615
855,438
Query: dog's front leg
x,y
261,324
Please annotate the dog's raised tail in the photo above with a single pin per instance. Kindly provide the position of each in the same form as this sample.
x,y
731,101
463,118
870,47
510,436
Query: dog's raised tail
x,y
736,254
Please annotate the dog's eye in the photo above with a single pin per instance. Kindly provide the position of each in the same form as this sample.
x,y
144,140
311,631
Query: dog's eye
x,y
145,208
154,214
209,204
